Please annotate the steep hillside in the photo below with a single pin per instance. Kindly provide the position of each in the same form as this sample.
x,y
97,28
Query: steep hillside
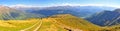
x,y
9,13
106,18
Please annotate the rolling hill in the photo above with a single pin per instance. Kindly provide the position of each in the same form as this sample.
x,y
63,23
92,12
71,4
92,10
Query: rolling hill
x,y
73,23
61,22
65,22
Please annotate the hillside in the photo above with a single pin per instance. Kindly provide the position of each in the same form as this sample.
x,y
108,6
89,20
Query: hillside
x,y
53,23
16,25
7,13
105,18
64,22
61,22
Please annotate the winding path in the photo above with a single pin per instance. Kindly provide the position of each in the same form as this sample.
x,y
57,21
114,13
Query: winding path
x,y
38,26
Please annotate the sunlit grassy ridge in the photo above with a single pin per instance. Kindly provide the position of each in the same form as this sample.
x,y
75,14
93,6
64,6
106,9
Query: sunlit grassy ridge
x,y
49,25
32,28
64,22
74,23
16,25
68,22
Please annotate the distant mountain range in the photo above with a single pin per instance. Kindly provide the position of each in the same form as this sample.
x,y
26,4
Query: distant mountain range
x,y
99,15
106,18
79,11
7,13
68,18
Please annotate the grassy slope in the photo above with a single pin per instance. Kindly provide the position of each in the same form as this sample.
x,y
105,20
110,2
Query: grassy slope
x,y
54,23
16,25
65,22
32,28
50,25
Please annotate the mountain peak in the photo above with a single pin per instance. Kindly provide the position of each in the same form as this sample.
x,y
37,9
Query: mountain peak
x,y
5,9
1,6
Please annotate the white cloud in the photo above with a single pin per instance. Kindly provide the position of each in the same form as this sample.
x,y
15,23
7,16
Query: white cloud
x,y
117,6
64,4
68,4
22,5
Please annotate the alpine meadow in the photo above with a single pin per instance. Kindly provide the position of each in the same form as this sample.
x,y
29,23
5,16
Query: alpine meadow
x,y
59,15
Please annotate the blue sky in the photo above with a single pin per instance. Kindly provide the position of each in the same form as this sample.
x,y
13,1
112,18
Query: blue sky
x,y
59,2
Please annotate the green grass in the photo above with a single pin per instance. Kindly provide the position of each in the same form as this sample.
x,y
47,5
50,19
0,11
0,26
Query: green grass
x,y
36,25
49,25
76,23
61,22
17,25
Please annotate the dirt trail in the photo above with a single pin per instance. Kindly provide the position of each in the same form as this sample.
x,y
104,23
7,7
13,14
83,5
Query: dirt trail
x,y
38,26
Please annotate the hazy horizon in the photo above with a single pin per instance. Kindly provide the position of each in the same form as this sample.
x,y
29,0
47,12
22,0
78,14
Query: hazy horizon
x,y
46,3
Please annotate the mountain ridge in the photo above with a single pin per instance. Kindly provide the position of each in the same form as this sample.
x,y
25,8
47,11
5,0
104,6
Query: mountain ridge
x,y
105,18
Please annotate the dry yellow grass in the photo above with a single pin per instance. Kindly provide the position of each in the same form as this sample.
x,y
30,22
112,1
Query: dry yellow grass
x,y
16,25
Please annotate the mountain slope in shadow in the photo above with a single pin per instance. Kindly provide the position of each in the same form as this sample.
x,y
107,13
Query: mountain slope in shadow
x,y
106,18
